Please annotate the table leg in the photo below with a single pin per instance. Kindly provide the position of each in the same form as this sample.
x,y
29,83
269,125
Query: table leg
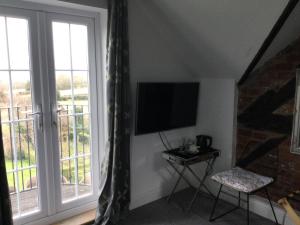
x,y
201,181
248,210
198,189
177,182
208,171
185,179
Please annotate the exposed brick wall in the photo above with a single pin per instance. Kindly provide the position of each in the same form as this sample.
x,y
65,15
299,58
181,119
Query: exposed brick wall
x,y
277,162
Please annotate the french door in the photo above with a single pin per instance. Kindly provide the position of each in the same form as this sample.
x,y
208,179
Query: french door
x,y
48,109
21,111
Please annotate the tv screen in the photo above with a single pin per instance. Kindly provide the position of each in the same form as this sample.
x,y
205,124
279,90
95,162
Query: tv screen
x,y
165,106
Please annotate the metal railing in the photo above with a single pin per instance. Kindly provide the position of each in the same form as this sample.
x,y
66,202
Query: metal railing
x,y
66,115
23,140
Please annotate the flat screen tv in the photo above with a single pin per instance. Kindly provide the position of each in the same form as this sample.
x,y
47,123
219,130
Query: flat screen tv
x,y
165,106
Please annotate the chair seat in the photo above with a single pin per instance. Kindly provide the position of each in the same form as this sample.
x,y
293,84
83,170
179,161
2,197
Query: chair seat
x,y
242,180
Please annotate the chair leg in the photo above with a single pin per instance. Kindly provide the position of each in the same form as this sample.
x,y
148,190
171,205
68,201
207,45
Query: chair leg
x,y
268,196
248,210
215,204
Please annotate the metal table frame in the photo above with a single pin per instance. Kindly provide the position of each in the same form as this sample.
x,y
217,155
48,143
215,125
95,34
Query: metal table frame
x,y
209,158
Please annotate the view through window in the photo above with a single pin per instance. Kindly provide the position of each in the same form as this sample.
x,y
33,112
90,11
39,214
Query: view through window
x,y
16,115
72,94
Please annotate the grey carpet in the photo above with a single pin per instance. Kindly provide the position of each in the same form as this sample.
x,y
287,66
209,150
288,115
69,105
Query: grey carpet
x,y
162,213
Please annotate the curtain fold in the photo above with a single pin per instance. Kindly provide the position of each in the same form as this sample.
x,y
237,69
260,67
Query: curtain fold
x,y
114,198
5,204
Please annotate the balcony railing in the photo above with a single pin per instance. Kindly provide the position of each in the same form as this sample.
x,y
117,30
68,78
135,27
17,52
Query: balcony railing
x,y
74,141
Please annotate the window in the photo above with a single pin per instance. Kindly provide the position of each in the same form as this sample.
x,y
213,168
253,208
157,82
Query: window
x,y
16,106
70,43
295,146
49,111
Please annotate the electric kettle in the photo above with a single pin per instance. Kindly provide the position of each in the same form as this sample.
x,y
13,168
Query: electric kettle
x,y
204,141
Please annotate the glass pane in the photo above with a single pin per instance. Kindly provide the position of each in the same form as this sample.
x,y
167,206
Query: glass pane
x,y
11,182
18,136
61,44
83,134
81,88
84,176
3,45
66,137
72,91
29,198
79,44
17,32
64,91
25,145
4,96
11,177
68,184
8,148
66,171
21,85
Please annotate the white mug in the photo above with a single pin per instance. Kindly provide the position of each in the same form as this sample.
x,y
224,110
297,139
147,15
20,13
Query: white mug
x,y
193,148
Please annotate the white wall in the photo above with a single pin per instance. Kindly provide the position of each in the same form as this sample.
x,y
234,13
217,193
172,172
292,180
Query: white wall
x,y
152,58
151,177
217,117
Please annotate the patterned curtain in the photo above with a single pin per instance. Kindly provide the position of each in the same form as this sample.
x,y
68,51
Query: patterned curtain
x,y
5,207
114,198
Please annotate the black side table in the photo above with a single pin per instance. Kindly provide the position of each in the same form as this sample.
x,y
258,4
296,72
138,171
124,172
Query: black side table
x,y
185,160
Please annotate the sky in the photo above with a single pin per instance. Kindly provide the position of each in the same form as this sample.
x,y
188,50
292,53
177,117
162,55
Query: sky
x,y
70,47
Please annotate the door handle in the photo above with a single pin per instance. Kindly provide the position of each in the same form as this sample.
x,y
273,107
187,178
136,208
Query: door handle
x,y
54,113
34,113
38,113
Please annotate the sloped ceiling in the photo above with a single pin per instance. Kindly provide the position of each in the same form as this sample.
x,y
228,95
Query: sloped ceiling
x,y
287,35
214,38
95,3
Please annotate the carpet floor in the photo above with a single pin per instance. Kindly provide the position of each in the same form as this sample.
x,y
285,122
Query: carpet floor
x,y
162,213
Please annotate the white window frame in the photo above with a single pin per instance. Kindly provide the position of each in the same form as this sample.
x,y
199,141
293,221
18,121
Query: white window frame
x,y
295,144
52,209
36,98
93,110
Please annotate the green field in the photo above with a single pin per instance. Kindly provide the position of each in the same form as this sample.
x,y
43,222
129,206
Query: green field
x,y
68,172
67,167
